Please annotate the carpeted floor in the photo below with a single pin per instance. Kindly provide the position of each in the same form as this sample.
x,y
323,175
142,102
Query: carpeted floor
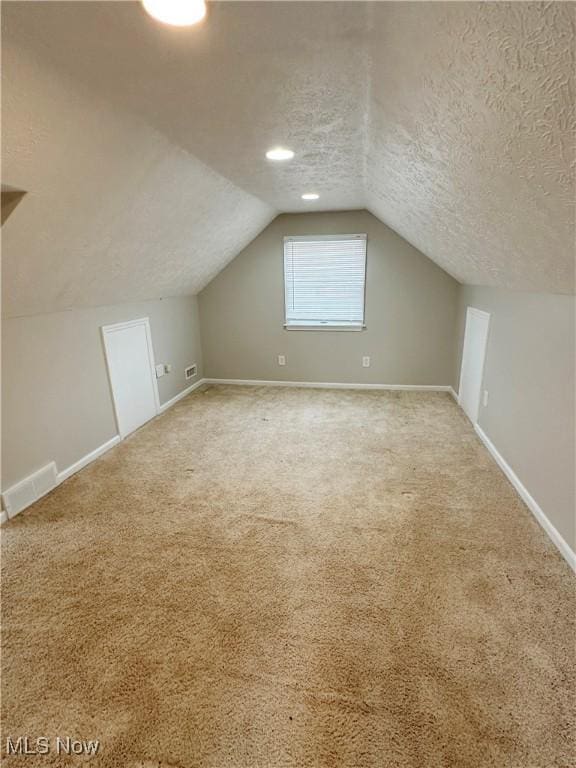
x,y
267,578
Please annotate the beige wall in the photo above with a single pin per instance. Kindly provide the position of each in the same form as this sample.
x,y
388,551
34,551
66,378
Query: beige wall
x,y
56,400
530,377
410,313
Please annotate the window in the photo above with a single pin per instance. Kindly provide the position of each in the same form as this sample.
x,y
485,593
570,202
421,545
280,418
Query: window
x,y
324,279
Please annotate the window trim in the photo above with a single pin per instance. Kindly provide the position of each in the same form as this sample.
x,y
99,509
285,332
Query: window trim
x,y
325,325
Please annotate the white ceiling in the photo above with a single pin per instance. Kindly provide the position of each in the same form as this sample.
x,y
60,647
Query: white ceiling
x,y
472,138
142,146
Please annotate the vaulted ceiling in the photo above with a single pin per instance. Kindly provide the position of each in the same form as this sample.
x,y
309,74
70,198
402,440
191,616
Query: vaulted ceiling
x,y
141,147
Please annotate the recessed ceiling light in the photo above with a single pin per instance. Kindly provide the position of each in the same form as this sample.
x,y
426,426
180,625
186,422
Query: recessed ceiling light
x,y
279,153
310,196
179,13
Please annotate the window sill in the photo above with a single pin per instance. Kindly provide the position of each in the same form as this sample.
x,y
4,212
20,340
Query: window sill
x,y
323,327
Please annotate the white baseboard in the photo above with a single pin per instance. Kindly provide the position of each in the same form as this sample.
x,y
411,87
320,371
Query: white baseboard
x,y
530,502
330,385
563,547
28,491
454,395
180,395
24,493
88,459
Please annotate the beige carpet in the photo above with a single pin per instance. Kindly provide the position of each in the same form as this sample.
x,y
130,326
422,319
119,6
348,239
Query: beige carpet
x,y
269,577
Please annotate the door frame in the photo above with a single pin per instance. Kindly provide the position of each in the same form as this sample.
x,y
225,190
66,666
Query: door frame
x,y
106,330
487,317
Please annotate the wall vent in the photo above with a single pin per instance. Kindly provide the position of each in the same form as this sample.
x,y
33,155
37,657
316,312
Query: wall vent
x,y
27,491
190,372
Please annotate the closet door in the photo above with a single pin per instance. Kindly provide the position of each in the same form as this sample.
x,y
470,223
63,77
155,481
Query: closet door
x,y
130,360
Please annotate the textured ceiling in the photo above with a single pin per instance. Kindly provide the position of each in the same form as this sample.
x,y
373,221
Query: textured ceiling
x,y
142,147
471,139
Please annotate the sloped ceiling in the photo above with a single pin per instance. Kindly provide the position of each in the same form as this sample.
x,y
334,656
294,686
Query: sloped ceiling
x,y
472,138
142,146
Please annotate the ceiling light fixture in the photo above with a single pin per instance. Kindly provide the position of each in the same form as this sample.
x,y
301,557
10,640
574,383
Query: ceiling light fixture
x,y
310,196
279,153
178,13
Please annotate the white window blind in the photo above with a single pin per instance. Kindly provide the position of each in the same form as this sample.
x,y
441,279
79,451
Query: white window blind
x,y
324,280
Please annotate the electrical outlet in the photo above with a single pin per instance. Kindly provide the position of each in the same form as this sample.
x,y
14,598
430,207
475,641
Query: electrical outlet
x,y
281,359
485,398
366,361
159,370
167,368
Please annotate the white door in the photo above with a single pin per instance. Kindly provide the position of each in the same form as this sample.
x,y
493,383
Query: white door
x,y
473,355
130,360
